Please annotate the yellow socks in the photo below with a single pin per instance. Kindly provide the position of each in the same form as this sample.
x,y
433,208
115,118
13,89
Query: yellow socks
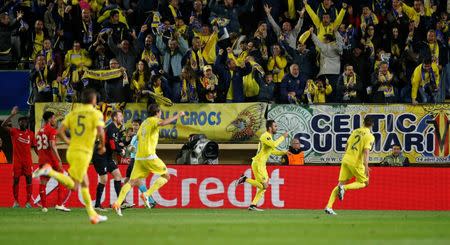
x,y
351,186
158,184
258,196
254,183
354,186
332,197
63,179
123,193
87,201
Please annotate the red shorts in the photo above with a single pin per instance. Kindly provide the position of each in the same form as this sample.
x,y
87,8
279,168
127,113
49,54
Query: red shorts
x,y
20,169
55,166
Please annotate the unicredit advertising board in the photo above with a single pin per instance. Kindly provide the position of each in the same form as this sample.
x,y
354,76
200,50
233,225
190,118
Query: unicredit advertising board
x,y
292,187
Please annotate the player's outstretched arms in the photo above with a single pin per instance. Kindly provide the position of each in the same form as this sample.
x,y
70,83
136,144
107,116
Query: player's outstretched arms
x,y
171,119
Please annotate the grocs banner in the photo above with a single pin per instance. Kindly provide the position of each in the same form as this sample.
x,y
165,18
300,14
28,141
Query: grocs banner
x,y
219,122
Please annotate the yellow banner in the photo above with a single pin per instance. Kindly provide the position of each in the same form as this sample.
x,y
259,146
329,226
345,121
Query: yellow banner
x,y
219,122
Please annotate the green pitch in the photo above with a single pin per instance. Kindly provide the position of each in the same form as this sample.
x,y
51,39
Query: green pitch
x,y
213,226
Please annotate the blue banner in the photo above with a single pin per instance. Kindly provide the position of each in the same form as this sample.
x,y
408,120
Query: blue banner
x,y
14,89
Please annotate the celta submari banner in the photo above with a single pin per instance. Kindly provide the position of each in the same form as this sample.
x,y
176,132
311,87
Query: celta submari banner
x,y
219,122
293,187
422,131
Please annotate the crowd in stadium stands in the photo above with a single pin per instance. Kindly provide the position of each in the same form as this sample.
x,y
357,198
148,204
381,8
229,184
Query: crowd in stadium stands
x,y
213,51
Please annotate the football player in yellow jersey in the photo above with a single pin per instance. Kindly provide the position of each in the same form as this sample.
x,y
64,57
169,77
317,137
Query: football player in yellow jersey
x,y
267,146
146,160
85,124
355,163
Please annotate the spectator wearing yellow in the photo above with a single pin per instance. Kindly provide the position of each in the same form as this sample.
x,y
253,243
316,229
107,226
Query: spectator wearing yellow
x,y
277,63
368,18
318,90
384,84
325,26
74,54
349,86
418,9
37,38
432,47
425,82
139,81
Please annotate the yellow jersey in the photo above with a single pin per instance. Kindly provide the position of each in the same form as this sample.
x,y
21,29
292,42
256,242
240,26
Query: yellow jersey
x,y
82,123
147,136
266,147
359,140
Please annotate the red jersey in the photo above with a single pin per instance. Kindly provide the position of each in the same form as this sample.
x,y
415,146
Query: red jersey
x,y
46,134
22,142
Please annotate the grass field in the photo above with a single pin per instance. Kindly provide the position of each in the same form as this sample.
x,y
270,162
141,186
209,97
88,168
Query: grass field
x,y
213,226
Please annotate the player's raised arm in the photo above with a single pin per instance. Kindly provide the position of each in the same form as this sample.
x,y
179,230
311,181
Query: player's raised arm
x,y
171,119
274,143
14,112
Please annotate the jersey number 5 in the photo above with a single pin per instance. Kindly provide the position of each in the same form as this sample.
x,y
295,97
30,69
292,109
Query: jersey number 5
x,y
79,130
358,138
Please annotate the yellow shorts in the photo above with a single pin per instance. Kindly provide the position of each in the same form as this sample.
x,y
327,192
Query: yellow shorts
x,y
79,164
142,168
349,171
260,172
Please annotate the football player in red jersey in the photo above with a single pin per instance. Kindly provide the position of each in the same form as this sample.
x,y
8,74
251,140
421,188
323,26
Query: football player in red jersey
x,y
22,140
48,153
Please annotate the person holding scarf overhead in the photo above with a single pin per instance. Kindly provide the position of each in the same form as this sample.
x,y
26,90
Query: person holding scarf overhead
x,y
425,82
172,11
290,35
325,26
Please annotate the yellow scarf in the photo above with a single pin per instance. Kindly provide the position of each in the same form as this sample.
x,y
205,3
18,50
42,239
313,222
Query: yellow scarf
x,y
291,9
434,49
140,83
194,60
395,50
149,57
102,75
41,80
209,51
173,11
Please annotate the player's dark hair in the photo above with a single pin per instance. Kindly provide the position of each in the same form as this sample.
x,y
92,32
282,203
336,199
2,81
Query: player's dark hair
x,y
114,114
88,95
138,121
23,119
153,109
368,121
47,115
269,124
